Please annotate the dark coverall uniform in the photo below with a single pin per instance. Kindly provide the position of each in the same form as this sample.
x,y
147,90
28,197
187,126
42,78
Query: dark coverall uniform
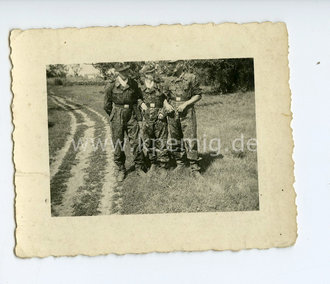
x,y
183,126
154,129
120,103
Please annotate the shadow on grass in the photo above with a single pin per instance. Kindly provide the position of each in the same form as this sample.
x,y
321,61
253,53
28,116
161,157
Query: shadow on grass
x,y
204,104
207,159
75,106
55,108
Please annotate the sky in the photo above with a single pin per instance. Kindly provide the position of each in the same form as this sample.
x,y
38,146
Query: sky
x,y
85,69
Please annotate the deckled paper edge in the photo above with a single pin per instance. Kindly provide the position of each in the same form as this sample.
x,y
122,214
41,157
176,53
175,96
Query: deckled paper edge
x,y
16,32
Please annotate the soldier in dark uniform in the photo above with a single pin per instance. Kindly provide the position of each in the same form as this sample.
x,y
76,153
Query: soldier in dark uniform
x,y
121,99
155,130
182,92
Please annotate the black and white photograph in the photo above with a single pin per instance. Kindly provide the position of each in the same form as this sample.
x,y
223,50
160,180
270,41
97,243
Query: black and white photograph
x,y
164,141
151,137
167,144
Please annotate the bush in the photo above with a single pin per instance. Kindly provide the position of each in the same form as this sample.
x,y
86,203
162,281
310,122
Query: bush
x,y
226,75
74,82
58,82
222,75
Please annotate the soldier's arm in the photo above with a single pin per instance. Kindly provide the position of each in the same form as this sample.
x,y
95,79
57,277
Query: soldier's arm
x,y
195,90
108,99
137,90
166,92
193,100
168,107
139,95
165,88
142,105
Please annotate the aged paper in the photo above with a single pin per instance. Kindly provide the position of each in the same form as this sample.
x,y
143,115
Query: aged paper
x,y
253,206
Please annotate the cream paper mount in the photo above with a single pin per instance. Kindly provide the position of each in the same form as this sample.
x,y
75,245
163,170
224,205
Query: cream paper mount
x,y
40,232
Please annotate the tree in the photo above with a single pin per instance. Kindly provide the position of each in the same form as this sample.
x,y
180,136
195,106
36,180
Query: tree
x,y
227,75
104,69
76,68
56,70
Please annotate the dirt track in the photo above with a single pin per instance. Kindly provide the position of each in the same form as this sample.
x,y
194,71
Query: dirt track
x,y
79,170
234,189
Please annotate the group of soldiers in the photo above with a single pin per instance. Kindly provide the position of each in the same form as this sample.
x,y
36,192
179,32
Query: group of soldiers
x,y
164,102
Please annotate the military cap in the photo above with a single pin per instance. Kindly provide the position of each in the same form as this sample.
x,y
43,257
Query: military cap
x,y
174,61
121,67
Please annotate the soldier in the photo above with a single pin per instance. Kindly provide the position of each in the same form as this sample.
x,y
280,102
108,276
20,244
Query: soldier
x,y
155,130
182,92
120,104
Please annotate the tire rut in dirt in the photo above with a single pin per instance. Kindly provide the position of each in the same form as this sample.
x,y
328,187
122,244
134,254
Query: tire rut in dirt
x,y
66,161
60,154
96,196
80,171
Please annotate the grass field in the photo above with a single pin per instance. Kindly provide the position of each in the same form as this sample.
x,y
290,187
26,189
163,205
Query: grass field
x,y
230,179
58,127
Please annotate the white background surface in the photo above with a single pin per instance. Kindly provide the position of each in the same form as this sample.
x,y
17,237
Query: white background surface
x,y
309,38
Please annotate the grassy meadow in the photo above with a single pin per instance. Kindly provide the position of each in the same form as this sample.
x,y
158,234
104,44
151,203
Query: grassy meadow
x,y
230,179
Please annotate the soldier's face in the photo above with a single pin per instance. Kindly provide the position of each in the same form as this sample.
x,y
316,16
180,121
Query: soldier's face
x,y
178,70
149,77
170,68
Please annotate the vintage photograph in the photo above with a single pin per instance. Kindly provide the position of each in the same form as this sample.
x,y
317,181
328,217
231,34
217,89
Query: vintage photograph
x,y
152,137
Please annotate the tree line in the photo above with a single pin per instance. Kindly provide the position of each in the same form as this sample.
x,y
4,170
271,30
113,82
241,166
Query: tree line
x,y
223,75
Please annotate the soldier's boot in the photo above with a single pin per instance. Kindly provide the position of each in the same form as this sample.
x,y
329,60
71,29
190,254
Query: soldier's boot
x,y
140,172
153,168
180,166
162,170
195,170
120,176
196,175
